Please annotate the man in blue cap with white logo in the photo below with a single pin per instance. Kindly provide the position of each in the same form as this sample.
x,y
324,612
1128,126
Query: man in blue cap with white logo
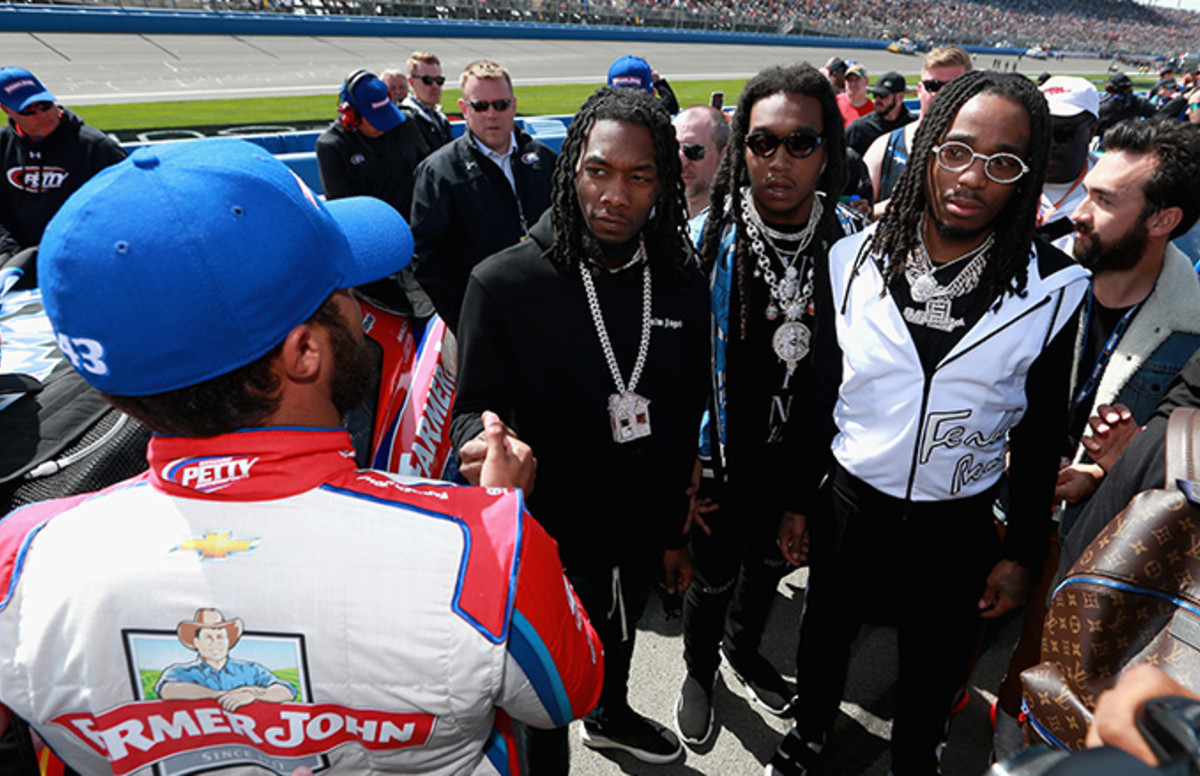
x,y
47,152
201,287
633,72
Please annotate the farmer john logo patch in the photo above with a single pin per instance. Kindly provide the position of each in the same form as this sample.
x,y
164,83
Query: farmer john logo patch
x,y
212,695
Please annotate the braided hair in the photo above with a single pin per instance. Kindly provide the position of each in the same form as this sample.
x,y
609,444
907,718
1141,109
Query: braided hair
x,y
1013,228
665,233
732,176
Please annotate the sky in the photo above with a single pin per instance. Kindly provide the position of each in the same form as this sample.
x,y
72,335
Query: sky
x,y
1189,5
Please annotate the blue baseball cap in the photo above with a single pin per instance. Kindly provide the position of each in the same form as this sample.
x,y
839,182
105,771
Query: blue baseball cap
x,y
20,88
188,260
631,72
372,101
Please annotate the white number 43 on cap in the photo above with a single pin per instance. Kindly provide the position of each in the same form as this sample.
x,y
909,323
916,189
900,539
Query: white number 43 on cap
x,y
85,354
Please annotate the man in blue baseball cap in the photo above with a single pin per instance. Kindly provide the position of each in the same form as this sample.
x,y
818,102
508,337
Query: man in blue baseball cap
x,y
201,287
46,153
373,149
633,72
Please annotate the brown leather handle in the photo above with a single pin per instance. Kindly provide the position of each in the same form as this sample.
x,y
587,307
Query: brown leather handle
x,y
1182,445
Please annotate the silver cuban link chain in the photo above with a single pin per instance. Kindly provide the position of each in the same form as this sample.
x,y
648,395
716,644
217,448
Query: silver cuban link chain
x,y
924,288
629,413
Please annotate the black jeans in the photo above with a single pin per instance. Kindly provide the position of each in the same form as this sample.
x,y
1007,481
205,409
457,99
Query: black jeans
x,y
923,566
737,570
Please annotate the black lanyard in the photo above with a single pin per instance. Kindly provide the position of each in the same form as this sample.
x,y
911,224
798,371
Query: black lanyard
x,y
1109,346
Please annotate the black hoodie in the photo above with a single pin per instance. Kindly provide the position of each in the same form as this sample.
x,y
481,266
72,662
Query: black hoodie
x,y
529,351
39,175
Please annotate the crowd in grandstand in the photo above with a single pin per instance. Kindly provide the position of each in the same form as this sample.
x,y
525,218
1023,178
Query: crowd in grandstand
x,y
1095,26
1074,25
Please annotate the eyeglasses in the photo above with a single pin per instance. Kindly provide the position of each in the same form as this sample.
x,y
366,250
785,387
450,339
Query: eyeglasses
x,y
37,107
1194,106
932,85
481,106
1064,133
1001,168
693,151
430,80
798,144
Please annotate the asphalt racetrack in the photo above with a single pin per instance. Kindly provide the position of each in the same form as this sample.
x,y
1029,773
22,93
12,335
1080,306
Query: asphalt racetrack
x,y
84,69
89,69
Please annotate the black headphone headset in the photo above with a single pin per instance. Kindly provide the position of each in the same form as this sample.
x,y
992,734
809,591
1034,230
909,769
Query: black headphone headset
x,y
348,112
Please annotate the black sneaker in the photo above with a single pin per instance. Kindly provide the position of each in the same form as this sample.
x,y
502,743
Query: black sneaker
x,y
628,731
693,712
763,683
796,756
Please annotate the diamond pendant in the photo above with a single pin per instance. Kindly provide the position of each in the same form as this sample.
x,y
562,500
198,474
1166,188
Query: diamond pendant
x,y
923,288
791,343
629,415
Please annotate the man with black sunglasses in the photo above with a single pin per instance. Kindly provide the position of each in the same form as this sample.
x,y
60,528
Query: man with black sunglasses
x,y
424,98
766,237
47,152
1074,111
702,132
888,154
478,194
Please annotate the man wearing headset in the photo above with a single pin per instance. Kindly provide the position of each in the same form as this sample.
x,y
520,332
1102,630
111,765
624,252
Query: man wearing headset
x,y
372,149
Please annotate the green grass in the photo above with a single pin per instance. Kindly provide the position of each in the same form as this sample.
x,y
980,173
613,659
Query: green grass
x,y
316,110
150,678
531,101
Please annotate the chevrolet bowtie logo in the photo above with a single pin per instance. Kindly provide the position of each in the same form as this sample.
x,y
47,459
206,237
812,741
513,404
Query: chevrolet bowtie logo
x,y
217,545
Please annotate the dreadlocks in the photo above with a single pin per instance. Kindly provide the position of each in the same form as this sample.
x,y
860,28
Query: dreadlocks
x,y
665,234
732,176
896,238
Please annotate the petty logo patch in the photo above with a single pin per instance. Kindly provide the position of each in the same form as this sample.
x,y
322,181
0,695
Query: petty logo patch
x,y
36,179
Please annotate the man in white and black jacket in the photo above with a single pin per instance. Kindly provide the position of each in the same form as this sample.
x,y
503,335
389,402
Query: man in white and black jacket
x,y
601,304
47,152
944,336
479,194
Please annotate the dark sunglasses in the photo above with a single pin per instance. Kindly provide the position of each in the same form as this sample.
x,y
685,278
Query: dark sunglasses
x,y
932,85
481,106
37,107
693,151
1064,133
430,80
1194,106
798,144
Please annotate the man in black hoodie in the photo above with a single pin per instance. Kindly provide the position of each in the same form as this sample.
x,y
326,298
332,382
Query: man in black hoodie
x,y
590,340
47,152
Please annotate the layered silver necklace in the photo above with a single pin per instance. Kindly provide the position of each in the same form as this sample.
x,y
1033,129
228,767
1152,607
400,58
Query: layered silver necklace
x,y
628,413
925,289
791,293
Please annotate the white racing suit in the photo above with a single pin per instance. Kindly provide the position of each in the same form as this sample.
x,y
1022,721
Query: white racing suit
x,y
291,610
